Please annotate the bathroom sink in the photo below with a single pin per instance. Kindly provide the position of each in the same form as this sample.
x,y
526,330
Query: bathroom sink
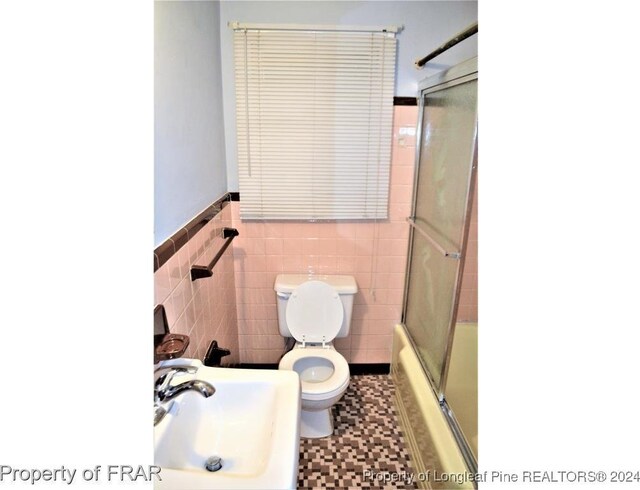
x,y
251,422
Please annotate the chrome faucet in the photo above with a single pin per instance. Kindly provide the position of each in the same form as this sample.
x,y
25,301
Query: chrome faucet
x,y
164,392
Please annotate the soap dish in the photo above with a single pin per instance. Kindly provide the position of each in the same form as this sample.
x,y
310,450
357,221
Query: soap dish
x,y
172,345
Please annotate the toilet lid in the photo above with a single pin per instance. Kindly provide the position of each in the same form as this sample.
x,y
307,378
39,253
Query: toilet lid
x,y
314,312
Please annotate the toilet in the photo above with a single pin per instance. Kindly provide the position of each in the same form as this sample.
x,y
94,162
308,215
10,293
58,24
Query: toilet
x,y
316,310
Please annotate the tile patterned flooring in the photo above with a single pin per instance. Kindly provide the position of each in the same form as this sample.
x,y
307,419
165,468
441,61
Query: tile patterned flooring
x,y
367,439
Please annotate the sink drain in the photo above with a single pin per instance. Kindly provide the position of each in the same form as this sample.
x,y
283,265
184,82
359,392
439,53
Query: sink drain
x,y
214,463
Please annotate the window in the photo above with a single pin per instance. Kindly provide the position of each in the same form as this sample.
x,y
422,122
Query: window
x,y
314,111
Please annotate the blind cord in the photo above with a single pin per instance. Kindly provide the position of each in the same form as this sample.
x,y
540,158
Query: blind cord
x,y
374,255
246,101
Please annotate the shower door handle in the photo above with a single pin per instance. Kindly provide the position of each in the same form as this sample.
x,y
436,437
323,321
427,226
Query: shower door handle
x,y
438,247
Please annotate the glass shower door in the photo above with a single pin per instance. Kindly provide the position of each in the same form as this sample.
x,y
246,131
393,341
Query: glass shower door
x,y
441,205
431,286
443,194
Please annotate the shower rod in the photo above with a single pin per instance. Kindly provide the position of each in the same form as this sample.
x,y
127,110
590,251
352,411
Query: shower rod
x,y
458,38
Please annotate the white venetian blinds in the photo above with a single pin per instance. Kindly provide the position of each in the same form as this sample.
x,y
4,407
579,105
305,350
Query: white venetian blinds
x,y
314,115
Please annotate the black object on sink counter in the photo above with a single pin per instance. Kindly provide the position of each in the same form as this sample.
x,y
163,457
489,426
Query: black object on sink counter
x,y
215,354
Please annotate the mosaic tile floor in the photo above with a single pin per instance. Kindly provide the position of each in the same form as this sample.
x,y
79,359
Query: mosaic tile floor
x,y
367,443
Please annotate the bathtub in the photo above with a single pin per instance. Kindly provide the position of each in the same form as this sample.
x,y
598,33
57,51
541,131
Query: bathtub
x,y
432,446
462,383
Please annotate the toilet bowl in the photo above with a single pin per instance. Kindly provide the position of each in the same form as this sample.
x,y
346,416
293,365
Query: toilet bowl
x,y
324,377
314,313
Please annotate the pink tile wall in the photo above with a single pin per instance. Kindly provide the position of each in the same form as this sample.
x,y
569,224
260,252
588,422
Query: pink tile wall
x,y
468,307
374,253
204,309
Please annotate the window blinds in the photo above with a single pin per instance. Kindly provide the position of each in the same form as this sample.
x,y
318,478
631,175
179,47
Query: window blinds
x,y
314,116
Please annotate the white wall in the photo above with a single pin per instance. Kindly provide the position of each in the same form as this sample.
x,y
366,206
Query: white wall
x,y
427,24
190,165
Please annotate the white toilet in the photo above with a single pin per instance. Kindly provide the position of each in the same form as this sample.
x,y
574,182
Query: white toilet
x,y
315,310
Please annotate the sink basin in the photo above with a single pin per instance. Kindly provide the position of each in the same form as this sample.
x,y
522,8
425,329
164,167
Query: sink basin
x,y
251,422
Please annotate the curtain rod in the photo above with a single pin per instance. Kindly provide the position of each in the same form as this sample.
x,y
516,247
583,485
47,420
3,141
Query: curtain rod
x,y
312,27
461,36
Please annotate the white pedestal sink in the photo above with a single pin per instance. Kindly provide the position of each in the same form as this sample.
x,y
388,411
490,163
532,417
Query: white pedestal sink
x,y
251,422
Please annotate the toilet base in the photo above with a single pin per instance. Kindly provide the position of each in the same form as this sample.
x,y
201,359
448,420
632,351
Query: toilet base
x,y
316,424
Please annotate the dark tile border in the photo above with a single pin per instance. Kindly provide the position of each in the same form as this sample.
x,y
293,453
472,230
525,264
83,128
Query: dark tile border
x,y
179,239
370,368
354,369
405,101
245,365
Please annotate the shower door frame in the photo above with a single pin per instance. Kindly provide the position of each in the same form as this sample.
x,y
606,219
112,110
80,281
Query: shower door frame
x,y
462,73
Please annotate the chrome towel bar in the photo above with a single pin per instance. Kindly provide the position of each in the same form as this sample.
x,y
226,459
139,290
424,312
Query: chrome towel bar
x,y
440,248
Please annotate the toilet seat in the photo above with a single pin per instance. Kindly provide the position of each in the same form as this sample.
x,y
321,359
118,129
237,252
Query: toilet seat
x,y
334,385
314,313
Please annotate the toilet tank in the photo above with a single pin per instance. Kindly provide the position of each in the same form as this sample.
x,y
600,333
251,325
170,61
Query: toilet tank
x,y
286,283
